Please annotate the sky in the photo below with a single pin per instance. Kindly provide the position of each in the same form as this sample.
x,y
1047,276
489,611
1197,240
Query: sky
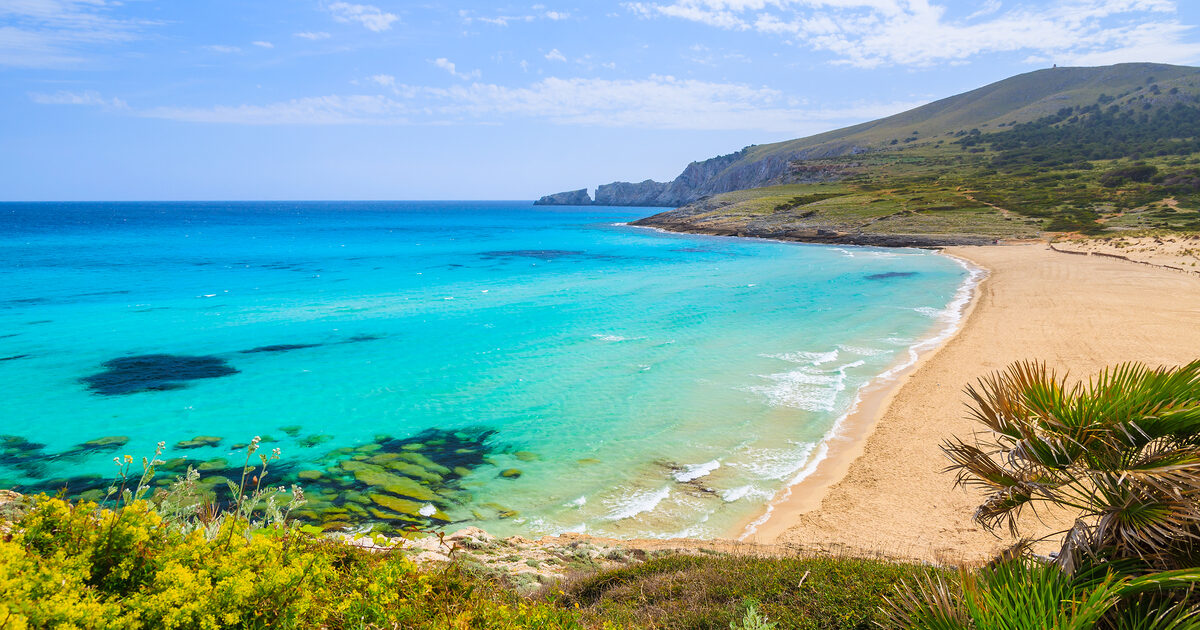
x,y
311,99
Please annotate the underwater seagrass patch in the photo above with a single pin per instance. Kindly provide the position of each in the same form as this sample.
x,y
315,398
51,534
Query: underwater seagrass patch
x,y
388,484
154,372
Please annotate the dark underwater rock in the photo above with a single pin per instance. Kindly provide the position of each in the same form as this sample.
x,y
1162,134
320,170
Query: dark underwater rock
x,y
891,274
540,254
154,372
199,441
281,347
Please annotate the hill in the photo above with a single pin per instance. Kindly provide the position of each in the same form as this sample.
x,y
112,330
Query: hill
x,y
1020,99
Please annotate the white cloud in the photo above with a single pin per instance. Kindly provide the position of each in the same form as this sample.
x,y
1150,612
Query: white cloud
x,y
320,110
58,33
262,44
386,80
217,48
656,102
871,33
449,66
89,97
312,35
505,20
554,55
370,16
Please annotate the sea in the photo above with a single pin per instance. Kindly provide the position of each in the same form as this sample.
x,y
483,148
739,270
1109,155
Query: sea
x,y
528,370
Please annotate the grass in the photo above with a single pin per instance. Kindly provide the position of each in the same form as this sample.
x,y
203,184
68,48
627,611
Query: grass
x,y
714,591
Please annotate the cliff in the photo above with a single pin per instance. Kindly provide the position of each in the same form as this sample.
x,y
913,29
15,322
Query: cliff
x,y
713,176
570,198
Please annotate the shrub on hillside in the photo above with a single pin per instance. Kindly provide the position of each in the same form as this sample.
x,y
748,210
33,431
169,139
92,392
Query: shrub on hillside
x,y
76,565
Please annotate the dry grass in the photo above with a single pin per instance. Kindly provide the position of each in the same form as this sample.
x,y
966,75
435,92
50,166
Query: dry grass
x,y
712,590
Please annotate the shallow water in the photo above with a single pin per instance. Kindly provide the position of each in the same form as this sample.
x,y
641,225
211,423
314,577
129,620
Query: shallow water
x,y
640,383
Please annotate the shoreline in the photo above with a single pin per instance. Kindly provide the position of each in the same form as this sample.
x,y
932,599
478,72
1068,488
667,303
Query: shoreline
x,y
888,496
846,439
816,236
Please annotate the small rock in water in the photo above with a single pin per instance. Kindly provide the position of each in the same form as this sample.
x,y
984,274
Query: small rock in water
x,y
199,441
314,440
292,430
110,443
213,464
511,473
525,456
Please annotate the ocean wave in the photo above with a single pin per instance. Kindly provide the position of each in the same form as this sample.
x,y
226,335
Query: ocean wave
x,y
861,351
810,467
814,358
929,311
696,471
637,502
577,503
806,388
749,490
776,463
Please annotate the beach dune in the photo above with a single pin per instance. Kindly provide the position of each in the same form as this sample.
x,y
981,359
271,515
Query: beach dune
x,y
882,490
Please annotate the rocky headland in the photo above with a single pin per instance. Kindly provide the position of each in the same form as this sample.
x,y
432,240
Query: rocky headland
x,y
735,171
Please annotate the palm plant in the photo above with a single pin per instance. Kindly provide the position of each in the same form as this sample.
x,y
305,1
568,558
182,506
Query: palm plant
x,y
1122,451
1026,594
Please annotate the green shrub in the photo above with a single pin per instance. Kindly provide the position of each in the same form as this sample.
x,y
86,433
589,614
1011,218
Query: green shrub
x,y
76,565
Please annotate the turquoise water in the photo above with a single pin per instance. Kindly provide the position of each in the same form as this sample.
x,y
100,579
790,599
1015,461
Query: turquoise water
x,y
641,383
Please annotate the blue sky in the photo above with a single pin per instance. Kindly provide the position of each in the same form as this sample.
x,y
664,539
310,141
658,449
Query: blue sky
x,y
309,99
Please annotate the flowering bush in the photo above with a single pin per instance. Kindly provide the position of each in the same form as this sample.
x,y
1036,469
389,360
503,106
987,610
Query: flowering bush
x,y
77,565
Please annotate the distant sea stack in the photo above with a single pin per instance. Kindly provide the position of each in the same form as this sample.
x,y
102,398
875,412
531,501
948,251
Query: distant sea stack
x,y
571,198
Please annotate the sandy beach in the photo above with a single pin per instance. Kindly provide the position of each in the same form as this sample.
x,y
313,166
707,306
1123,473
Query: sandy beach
x,y
881,490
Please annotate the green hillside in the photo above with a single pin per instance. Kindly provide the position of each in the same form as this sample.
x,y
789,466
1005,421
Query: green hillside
x,y
1022,98
1090,150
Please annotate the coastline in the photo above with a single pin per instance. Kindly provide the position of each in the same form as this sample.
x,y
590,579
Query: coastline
x,y
846,438
883,493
